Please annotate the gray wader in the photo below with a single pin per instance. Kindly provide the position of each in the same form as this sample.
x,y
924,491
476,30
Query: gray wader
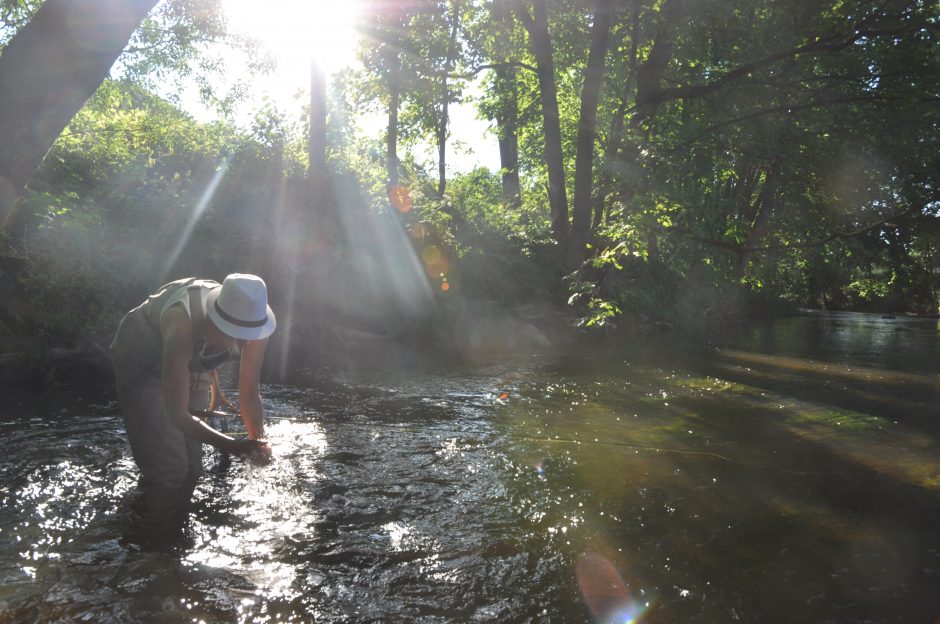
x,y
166,457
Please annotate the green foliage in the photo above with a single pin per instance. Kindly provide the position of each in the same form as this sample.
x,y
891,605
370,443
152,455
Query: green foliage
x,y
752,156
823,142
13,15
104,214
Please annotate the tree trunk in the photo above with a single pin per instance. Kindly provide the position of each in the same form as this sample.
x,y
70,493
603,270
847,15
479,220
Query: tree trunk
x,y
391,141
507,124
761,225
649,75
317,138
541,43
651,72
507,114
47,72
442,147
445,103
389,31
615,136
587,133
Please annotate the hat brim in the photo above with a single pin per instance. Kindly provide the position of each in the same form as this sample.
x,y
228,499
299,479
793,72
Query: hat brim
x,y
237,331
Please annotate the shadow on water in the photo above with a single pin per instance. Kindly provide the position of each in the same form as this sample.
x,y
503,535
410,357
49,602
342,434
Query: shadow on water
x,y
781,478
786,525
887,393
728,497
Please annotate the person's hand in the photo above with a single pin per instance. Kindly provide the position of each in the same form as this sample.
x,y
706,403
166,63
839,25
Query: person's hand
x,y
261,453
255,451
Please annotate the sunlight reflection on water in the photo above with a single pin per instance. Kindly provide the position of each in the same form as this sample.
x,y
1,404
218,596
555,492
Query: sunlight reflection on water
x,y
715,486
267,514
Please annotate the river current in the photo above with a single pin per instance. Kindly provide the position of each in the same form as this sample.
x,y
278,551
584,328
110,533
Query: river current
x,y
787,473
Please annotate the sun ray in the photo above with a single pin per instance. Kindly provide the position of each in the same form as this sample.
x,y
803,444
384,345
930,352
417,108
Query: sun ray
x,y
198,209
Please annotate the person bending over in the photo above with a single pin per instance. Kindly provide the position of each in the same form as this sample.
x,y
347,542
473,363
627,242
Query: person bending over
x,y
162,354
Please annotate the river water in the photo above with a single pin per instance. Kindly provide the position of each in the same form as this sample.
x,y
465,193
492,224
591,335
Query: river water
x,y
788,473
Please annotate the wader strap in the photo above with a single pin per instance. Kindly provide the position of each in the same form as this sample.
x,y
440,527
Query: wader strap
x,y
198,318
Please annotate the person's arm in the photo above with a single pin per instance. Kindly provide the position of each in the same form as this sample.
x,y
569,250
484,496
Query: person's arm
x,y
177,352
216,396
249,387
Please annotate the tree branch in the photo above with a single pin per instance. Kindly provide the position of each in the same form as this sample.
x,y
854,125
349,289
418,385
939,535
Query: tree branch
x,y
849,99
822,45
738,248
476,70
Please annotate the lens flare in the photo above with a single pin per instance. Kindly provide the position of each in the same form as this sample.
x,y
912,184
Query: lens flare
x,y
605,592
400,198
435,262
630,614
431,255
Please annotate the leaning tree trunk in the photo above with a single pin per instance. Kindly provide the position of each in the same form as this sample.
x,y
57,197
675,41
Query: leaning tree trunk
x,y
587,133
541,44
47,72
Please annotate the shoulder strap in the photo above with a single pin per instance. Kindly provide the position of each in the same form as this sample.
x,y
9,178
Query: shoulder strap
x,y
197,316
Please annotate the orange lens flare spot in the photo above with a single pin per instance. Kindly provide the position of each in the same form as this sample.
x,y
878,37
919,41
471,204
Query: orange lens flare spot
x,y
445,286
400,198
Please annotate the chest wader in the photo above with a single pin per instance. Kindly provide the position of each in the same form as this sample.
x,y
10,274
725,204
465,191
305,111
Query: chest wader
x,y
165,456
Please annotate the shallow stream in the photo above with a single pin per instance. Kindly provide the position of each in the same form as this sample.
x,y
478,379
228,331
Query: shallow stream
x,y
789,473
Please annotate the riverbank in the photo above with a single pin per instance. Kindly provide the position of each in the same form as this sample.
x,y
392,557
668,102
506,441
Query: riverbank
x,y
458,331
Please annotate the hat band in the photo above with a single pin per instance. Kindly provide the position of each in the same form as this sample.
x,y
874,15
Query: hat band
x,y
239,322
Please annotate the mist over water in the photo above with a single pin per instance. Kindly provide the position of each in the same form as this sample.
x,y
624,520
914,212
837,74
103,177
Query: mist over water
x,y
788,474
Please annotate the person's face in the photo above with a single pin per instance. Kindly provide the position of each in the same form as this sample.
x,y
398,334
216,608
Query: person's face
x,y
221,339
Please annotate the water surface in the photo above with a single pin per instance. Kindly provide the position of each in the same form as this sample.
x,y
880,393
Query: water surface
x,y
787,473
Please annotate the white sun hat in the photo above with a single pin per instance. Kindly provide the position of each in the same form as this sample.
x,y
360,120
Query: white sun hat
x,y
239,308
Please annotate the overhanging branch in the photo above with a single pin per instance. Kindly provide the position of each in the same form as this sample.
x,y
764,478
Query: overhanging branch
x,y
830,44
788,108
737,248
476,70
